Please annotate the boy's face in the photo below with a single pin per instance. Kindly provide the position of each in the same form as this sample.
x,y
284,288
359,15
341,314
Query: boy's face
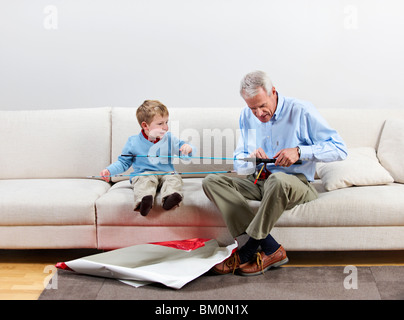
x,y
157,128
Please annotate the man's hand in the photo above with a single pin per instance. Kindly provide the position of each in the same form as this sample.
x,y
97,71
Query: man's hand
x,y
105,175
186,149
259,153
286,157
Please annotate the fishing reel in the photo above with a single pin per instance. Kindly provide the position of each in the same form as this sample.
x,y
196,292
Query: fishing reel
x,y
263,173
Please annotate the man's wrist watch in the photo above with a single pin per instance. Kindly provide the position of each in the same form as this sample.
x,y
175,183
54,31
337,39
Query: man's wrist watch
x,y
299,151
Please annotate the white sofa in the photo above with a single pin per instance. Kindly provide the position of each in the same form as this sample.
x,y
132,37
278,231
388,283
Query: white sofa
x,y
46,201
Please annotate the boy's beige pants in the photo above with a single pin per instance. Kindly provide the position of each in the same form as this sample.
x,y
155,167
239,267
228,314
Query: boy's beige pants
x,y
150,184
279,192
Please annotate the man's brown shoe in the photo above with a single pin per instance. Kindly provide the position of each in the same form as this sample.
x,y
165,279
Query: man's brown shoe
x,y
263,262
231,264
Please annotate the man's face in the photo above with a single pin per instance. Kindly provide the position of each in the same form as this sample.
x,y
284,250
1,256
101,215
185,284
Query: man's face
x,y
262,105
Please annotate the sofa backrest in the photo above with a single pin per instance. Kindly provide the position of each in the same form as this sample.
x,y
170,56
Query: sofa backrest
x,y
360,127
71,143
75,143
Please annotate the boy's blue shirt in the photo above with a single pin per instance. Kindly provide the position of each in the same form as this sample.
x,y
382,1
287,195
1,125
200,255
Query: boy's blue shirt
x,y
169,145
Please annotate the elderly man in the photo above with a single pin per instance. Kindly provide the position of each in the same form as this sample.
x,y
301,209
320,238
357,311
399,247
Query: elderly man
x,y
272,127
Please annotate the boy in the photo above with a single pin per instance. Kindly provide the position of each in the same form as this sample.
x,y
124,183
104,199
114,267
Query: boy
x,y
153,140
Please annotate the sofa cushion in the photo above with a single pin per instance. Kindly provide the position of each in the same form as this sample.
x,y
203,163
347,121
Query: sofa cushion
x,y
69,143
29,202
360,168
115,208
356,206
391,148
349,207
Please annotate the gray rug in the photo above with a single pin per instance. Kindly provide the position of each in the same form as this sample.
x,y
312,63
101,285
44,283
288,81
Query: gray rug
x,y
285,283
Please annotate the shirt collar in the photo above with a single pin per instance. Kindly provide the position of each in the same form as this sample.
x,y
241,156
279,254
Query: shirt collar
x,y
279,106
147,137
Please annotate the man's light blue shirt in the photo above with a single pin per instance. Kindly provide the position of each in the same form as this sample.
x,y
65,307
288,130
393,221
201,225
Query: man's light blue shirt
x,y
294,123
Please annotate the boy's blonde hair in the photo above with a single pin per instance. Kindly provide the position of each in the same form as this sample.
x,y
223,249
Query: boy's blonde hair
x,y
149,109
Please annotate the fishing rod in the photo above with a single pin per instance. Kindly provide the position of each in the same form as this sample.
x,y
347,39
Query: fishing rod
x,y
161,174
256,160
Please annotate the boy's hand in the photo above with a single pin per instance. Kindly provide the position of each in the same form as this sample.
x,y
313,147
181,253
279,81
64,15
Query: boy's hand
x,y
185,149
105,175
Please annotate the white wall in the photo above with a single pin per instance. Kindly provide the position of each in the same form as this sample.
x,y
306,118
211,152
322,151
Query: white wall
x,y
193,53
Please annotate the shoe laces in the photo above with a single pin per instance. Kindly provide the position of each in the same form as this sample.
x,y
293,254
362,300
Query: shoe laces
x,y
259,262
233,262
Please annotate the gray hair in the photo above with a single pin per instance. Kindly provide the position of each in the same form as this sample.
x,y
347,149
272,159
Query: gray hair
x,y
252,81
